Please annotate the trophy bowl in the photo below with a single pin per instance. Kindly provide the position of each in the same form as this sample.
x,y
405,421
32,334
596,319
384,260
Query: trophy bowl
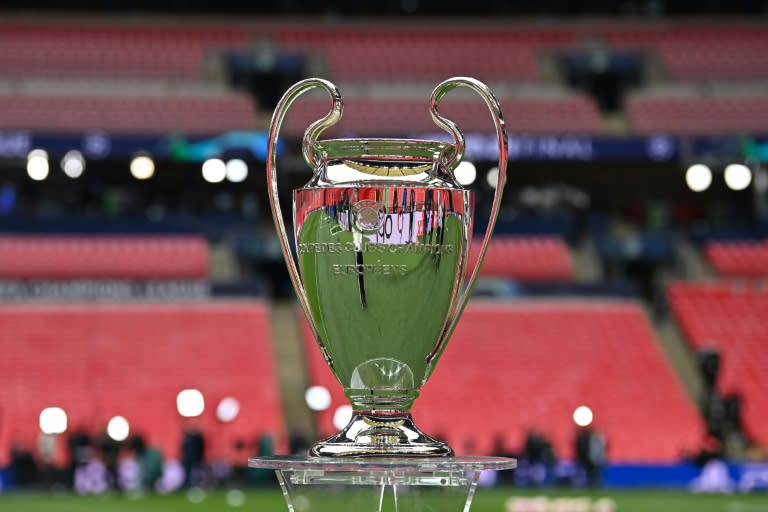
x,y
382,233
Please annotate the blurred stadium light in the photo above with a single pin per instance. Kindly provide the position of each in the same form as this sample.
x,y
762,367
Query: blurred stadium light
x,y
227,409
118,428
190,403
53,420
142,167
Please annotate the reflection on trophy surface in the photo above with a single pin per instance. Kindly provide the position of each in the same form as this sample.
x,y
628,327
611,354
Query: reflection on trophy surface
x,y
382,235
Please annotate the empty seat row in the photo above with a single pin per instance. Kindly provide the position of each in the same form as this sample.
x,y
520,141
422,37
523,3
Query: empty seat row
x,y
393,116
110,50
108,257
738,259
700,115
686,51
697,51
525,258
128,114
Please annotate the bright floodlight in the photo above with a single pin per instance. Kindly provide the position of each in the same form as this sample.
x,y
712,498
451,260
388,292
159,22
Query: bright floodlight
x,y
237,170
465,173
118,429
698,177
190,403
228,409
142,167
53,420
342,416
492,178
214,170
37,164
738,176
582,416
318,398
73,163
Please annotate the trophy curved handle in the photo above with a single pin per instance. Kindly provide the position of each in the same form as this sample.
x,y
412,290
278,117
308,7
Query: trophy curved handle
x,y
451,159
310,136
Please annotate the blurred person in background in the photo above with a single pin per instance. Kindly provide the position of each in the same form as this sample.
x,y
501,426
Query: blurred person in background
x,y
539,457
193,455
79,447
150,462
110,455
590,448
500,450
23,466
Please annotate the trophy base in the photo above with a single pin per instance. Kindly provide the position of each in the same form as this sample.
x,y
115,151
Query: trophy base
x,y
317,484
371,435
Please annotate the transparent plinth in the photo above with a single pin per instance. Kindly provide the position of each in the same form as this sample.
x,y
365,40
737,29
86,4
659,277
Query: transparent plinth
x,y
391,484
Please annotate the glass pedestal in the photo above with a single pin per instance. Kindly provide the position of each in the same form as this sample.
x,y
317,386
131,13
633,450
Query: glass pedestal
x,y
393,484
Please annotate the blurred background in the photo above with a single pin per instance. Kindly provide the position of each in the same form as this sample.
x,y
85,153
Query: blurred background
x,y
149,339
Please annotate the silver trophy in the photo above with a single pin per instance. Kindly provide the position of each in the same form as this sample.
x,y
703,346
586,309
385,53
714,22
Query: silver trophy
x,y
382,233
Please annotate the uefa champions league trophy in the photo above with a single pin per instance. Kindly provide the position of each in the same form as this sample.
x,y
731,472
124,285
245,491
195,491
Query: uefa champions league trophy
x,y
382,233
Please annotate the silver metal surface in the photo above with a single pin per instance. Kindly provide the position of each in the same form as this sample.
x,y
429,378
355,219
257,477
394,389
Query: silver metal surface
x,y
406,464
382,232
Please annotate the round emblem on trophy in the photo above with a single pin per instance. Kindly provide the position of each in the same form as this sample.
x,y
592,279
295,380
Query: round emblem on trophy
x,y
368,215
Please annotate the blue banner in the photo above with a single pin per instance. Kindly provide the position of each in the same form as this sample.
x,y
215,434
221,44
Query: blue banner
x,y
480,147
485,147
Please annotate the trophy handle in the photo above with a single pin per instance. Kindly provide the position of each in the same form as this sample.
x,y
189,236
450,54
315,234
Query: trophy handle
x,y
451,159
310,136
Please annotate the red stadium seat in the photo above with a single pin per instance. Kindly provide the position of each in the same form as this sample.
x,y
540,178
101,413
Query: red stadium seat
x,y
97,361
699,115
396,116
421,52
108,257
731,318
515,366
695,52
110,50
525,258
368,51
128,114
738,259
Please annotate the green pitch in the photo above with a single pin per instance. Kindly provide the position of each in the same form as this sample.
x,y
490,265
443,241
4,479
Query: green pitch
x,y
487,500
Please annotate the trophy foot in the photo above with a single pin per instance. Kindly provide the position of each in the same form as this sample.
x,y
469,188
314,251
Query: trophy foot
x,y
371,435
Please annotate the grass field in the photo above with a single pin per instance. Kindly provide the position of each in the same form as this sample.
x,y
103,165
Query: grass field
x,y
487,500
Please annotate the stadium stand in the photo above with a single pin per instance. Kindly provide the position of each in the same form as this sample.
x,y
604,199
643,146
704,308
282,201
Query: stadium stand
x,y
525,258
731,318
128,114
694,51
106,49
93,257
414,53
533,364
738,259
101,360
697,51
375,52
697,115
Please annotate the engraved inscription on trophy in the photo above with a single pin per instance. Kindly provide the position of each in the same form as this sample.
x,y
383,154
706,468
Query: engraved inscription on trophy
x,y
338,247
369,269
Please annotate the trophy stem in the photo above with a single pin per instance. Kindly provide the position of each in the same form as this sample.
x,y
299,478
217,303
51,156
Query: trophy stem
x,y
379,434
383,402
